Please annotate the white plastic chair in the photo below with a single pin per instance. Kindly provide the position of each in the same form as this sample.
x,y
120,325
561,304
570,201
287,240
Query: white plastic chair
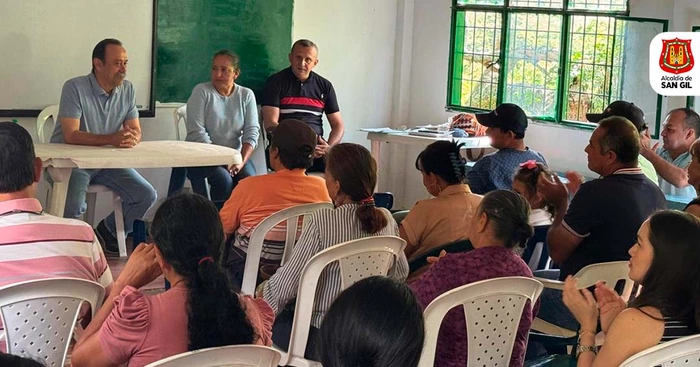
x,y
679,352
92,190
232,355
358,259
255,244
609,272
39,315
492,309
180,114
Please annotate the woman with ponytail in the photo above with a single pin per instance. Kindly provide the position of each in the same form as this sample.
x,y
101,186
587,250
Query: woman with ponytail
x,y
351,175
199,310
500,227
447,217
664,261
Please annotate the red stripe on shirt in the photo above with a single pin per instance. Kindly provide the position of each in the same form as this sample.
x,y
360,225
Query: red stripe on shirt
x,y
302,101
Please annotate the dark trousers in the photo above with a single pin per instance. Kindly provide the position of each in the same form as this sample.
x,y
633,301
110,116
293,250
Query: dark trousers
x,y
218,177
282,331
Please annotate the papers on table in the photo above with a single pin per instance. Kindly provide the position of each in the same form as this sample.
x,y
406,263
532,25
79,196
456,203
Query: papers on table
x,y
383,130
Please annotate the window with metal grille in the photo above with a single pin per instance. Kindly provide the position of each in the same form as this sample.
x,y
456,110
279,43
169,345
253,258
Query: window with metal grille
x,y
557,59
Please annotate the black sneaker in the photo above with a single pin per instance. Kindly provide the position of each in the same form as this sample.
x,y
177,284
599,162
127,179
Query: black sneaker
x,y
109,243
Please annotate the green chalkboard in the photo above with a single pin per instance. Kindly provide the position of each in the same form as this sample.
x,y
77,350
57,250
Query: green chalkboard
x,y
191,31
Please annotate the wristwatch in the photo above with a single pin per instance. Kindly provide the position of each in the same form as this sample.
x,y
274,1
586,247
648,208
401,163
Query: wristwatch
x,y
585,348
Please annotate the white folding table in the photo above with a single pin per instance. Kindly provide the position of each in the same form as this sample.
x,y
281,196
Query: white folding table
x,y
60,159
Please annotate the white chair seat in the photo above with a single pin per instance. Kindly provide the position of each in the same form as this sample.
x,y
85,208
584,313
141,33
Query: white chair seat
x,y
52,112
232,355
39,315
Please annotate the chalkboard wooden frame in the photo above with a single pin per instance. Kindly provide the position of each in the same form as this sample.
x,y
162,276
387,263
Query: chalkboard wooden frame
x,y
151,112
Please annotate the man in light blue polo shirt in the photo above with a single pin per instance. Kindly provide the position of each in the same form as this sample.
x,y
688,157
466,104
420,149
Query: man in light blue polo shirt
x,y
671,160
100,109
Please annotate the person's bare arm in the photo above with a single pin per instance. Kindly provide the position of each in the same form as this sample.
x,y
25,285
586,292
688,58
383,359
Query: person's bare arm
x,y
676,176
337,128
271,116
246,152
135,126
560,241
73,135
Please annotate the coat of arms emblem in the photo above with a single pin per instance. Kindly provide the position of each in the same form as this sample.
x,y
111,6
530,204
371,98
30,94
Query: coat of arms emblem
x,y
676,56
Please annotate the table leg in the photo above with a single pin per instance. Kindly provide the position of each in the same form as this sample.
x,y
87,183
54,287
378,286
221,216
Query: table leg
x,y
376,152
59,191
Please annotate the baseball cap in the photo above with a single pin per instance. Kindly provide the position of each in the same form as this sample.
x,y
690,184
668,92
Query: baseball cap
x,y
623,109
507,116
294,136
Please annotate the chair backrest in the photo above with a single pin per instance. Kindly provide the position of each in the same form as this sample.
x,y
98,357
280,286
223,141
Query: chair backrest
x,y
39,315
255,244
679,352
180,113
536,254
492,309
232,355
611,273
350,255
45,114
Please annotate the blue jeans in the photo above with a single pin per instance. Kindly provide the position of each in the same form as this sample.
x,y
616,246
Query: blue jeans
x,y
136,193
218,176
552,307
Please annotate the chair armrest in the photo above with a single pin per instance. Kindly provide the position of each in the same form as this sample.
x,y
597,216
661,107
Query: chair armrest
x,y
550,329
551,284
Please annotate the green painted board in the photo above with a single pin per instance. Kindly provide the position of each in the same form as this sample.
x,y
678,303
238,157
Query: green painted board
x,y
191,31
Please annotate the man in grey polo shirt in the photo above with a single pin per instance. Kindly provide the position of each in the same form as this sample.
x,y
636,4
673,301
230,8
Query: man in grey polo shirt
x,y
100,109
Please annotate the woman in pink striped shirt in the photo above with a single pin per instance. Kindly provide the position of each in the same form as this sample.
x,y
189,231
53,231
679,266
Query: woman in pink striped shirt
x,y
199,310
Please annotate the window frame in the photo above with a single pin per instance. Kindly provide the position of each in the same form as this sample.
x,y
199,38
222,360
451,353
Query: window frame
x,y
690,100
505,11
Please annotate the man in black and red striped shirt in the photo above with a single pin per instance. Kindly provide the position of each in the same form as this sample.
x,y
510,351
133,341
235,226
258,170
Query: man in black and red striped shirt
x,y
298,93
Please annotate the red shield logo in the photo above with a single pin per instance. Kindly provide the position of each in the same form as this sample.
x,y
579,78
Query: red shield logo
x,y
676,56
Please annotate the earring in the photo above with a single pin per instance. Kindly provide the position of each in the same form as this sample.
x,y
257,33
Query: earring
x,y
438,187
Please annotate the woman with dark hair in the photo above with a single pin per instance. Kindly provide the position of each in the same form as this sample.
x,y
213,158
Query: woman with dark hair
x,y
198,311
525,184
224,113
382,326
351,175
447,217
500,227
694,178
665,262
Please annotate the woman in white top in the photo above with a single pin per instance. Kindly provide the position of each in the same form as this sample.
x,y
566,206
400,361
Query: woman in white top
x,y
351,175
223,113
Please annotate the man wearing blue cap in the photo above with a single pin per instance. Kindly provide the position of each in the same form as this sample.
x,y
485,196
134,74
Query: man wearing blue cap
x,y
506,128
